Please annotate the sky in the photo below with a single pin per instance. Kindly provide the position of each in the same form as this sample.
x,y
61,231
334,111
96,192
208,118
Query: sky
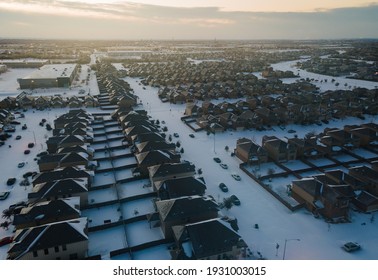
x,y
194,19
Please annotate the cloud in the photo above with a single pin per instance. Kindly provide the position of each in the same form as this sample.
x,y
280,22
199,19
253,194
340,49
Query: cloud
x,y
124,20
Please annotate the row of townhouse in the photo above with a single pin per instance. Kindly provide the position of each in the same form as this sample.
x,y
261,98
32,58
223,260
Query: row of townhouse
x,y
115,91
51,226
182,211
27,101
328,143
257,112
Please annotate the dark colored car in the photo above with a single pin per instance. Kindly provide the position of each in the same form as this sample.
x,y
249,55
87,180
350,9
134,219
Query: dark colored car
x,y
4,195
18,137
235,200
223,187
30,145
6,240
11,181
26,152
217,160
191,135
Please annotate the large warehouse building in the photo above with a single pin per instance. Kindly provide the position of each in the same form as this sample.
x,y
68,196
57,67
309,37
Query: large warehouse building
x,y
50,75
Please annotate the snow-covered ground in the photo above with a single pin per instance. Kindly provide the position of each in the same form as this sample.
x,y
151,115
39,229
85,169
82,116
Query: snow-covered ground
x,y
318,240
276,222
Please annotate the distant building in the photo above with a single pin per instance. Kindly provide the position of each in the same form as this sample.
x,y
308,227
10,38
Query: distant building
x,y
49,76
24,63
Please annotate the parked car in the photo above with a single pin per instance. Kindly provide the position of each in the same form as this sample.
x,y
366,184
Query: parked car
x,y
26,152
11,181
18,137
235,200
21,164
217,160
223,187
176,134
236,177
24,127
351,246
224,166
4,195
6,240
191,135
2,143
31,145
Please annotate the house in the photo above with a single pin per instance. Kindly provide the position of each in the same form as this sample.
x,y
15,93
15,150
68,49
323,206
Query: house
x,y
42,102
366,202
25,101
46,242
145,137
365,135
207,240
367,175
249,152
154,146
52,161
320,196
174,188
279,150
343,138
167,171
308,148
60,189
74,102
90,101
338,177
77,149
72,172
131,131
47,212
150,158
55,142
184,210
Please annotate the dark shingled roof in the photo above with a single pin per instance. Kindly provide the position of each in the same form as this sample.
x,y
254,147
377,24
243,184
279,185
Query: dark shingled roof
x,y
185,207
48,236
54,209
208,238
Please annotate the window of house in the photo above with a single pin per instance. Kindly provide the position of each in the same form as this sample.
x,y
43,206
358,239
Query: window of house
x,y
64,247
56,249
35,254
46,251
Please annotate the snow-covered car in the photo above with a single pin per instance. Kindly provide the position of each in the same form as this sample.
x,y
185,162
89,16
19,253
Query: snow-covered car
x,y
351,246
236,177
223,187
223,165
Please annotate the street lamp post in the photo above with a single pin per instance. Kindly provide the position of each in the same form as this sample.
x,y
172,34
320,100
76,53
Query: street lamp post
x,y
286,240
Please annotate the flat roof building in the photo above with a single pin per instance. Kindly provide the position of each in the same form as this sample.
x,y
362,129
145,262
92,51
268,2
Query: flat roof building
x,y
50,75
